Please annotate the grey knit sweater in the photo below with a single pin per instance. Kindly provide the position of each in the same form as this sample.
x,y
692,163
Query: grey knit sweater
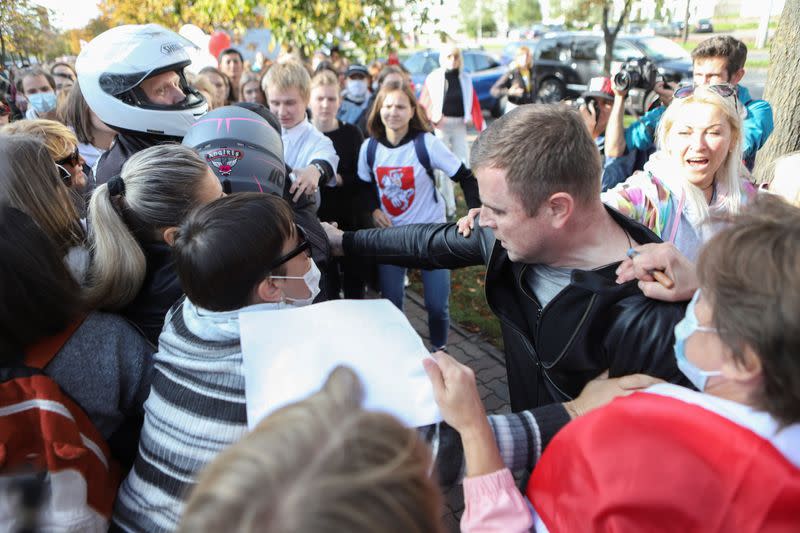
x,y
195,409
105,367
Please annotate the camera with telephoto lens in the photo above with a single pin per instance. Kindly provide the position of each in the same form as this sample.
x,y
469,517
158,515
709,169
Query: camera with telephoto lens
x,y
636,74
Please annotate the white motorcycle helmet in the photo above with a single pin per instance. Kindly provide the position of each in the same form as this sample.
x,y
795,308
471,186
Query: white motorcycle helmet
x,y
113,65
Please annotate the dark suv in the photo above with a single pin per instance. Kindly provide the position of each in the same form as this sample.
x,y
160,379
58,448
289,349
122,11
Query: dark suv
x,y
565,63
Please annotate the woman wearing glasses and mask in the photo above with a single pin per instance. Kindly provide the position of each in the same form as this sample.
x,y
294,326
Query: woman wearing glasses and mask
x,y
696,174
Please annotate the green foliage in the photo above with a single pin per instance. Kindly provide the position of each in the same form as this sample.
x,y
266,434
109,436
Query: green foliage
x,y
25,31
370,25
524,13
471,20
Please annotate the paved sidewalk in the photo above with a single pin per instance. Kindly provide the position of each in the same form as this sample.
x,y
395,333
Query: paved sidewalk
x,y
490,372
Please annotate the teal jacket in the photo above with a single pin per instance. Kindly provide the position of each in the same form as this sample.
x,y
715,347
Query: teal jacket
x,y
758,126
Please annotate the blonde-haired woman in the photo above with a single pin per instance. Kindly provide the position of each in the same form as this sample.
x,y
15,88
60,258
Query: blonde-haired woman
x,y
133,218
61,143
323,464
698,172
30,181
451,103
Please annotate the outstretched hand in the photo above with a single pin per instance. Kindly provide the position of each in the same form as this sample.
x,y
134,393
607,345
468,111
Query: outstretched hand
x,y
334,235
305,182
455,391
466,223
457,396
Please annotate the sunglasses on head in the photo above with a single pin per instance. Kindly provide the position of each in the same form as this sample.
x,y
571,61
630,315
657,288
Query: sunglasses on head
x,y
724,90
72,159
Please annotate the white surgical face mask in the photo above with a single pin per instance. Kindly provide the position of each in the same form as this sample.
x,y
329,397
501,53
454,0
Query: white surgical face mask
x,y
311,279
357,88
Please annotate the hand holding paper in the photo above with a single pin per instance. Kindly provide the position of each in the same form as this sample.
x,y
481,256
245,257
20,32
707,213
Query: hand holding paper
x,y
285,360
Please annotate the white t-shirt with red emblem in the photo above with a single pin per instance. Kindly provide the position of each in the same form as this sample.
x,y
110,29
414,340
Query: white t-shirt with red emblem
x,y
406,192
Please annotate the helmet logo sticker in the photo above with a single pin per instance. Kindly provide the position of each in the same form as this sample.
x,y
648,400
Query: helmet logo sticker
x,y
224,159
170,48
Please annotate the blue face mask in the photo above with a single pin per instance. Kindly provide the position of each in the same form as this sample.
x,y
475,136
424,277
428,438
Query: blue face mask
x,y
683,330
43,102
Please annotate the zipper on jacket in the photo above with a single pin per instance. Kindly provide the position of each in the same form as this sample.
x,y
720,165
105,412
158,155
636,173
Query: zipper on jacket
x,y
539,315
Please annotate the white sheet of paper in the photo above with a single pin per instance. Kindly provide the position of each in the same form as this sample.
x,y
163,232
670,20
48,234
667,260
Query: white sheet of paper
x,y
289,353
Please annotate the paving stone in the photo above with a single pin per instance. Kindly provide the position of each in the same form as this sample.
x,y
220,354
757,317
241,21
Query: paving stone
x,y
490,376
498,386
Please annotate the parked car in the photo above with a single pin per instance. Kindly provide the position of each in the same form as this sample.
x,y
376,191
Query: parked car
x,y
565,62
677,28
482,67
703,26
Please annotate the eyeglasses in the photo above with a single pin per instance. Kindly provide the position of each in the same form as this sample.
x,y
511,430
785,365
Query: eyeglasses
x,y
72,159
65,175
724,90
303,246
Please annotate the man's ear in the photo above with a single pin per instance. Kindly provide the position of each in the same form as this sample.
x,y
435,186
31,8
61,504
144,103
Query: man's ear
x,y
267,291
560,207
736,77
170,234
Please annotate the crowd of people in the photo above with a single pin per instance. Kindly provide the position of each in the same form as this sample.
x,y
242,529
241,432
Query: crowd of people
x,y
645,284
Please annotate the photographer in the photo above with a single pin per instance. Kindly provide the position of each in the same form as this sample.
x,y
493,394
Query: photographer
x,y
715,61
596,109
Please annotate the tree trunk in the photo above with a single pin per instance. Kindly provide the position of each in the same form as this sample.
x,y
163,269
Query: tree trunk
x,y
783,91
686,22
610,35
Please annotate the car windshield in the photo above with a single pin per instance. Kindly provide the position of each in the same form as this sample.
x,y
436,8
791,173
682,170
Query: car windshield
x,y
659,48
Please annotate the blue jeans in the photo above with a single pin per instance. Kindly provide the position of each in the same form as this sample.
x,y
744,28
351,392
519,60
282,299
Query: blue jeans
x,y
436,285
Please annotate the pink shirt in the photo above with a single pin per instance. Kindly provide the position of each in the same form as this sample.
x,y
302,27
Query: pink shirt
x,y
493,503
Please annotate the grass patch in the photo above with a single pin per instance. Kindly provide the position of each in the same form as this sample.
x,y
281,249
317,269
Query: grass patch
x,y
468,305
728,26
757,63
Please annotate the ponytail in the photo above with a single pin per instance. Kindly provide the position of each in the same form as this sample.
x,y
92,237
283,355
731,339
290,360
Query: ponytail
x,y
156,190
118,265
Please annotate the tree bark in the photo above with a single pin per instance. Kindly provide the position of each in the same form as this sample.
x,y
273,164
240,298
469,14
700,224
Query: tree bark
x,y
783,91
610,35
686,22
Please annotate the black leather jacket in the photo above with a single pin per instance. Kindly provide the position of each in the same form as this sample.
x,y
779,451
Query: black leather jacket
x,y
592,325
